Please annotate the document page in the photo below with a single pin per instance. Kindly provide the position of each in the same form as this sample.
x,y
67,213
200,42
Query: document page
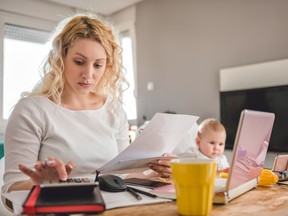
x,y
160,136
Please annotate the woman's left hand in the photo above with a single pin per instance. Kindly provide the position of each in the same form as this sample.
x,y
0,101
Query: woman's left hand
x,y
163,166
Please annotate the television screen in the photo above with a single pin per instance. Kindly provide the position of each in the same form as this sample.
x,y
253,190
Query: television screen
x,y
269,99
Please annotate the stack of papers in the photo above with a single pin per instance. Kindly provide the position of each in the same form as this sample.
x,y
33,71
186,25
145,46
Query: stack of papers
x,y
161,135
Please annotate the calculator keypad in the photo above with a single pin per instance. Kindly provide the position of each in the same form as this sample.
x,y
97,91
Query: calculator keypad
x,y
69,182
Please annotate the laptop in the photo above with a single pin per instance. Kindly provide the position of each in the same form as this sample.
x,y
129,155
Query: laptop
x,y
249,153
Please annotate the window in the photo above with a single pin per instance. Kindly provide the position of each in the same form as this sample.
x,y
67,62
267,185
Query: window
x,y
129,96
24,50
126,20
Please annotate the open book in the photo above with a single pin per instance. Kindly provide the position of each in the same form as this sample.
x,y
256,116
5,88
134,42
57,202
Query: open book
x,y
160,136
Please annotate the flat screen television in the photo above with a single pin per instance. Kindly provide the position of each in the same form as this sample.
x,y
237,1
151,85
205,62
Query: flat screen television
x,y
269,99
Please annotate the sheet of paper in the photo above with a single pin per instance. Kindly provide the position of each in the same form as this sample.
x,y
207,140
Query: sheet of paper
x,y
135,164
17,198
124,199
160,136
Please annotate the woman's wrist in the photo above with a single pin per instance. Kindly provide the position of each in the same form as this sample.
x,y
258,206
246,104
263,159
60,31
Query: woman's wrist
x,y
21,185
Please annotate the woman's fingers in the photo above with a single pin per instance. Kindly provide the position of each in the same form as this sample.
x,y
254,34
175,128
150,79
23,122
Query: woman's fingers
x,y
50,169
31,173
169,155
70,166
163,170
62,169
59,166
164,162
25,169
163,166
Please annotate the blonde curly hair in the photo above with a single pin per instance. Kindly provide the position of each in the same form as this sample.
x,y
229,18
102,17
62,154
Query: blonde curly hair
x,y
82,26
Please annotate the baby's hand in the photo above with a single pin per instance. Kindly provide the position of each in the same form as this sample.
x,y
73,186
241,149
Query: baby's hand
x,y
226,170
223,173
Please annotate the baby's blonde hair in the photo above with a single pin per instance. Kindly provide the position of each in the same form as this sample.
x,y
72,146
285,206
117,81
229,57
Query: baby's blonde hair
x,y
208,125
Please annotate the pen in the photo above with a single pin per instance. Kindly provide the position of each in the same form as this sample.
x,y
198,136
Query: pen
x,y
144,193
132,191
97,176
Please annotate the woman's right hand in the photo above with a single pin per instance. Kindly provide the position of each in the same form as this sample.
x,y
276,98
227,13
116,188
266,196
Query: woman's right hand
x,y
51,169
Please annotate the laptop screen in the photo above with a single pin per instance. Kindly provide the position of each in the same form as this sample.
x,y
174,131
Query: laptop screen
x,y
250,147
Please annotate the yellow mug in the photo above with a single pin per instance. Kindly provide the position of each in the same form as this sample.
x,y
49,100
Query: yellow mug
x,y
194,184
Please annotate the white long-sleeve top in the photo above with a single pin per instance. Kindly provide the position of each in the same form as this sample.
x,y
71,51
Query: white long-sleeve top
x,y
38,128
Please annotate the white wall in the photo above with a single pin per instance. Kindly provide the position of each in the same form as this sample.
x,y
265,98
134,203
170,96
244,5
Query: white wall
x,y
268,74
35,8
183,44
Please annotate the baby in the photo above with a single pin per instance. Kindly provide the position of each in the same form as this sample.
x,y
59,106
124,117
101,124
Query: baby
x,y
210,143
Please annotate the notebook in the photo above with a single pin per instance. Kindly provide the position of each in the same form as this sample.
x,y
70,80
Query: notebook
x,y
66,199
249,153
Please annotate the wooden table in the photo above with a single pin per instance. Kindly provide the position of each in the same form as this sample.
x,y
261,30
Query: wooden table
x,y
263,201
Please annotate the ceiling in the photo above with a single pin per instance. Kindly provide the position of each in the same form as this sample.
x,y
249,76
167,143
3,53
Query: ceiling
x,y
104,7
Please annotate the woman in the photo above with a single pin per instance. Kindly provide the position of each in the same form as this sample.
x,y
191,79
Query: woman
x,y
72,122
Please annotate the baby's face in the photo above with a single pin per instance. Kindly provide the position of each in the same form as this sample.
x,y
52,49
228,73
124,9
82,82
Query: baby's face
x,y
212,143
